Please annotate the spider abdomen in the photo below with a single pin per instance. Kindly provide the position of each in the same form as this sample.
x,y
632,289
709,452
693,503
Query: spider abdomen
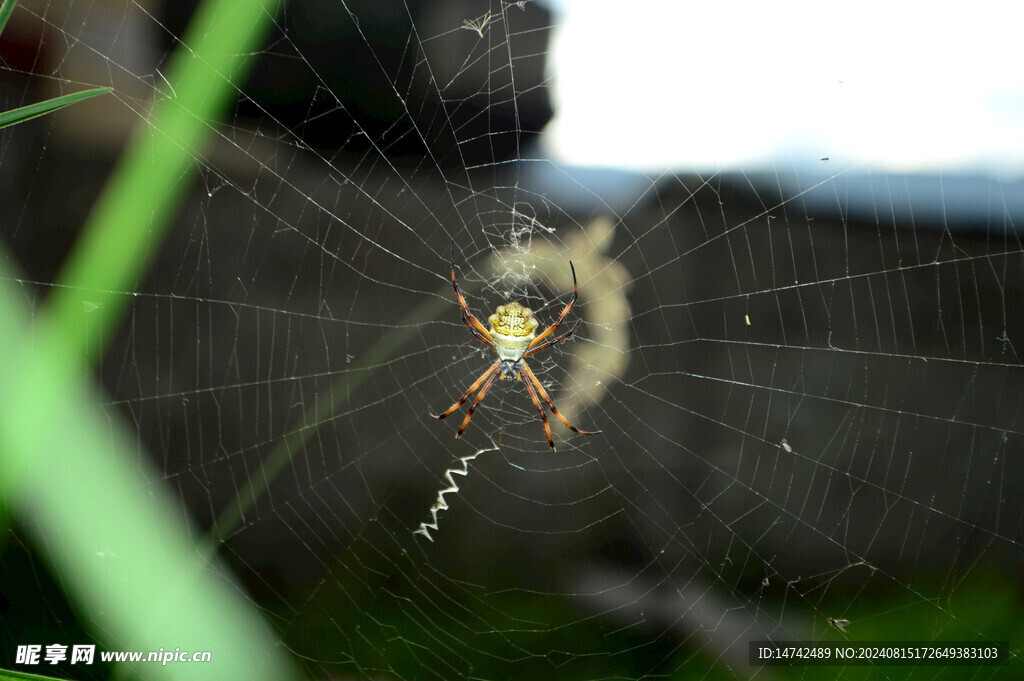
x,y
512,328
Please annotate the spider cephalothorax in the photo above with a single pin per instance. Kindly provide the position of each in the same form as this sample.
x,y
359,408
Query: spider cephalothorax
x,y
513,338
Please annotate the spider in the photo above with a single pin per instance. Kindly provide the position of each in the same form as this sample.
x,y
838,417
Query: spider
x,y
513,337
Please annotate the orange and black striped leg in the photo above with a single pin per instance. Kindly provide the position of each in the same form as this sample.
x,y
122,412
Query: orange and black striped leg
x,y
558,322
479,336
544,417
547,345
532,378
476,402
472,389
468,319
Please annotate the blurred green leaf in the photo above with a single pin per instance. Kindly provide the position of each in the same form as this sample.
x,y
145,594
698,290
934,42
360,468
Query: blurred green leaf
x,y
97,510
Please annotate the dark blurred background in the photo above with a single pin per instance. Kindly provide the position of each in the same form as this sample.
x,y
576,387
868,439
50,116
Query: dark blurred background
x,y
818,414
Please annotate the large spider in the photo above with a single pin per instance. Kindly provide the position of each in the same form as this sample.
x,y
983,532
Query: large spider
x,y
512,337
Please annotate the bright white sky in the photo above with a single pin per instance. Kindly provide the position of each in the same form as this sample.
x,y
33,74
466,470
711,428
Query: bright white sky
x,y
897,86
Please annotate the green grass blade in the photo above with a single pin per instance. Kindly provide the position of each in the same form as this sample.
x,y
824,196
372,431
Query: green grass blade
x,y
24,113
5,13
8,675
128,222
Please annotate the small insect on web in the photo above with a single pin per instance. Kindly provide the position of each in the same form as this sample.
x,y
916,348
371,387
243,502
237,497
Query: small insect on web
x,y
513,338
839,624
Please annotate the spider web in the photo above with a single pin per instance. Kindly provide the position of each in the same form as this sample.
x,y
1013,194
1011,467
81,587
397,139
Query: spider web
x,y
807,378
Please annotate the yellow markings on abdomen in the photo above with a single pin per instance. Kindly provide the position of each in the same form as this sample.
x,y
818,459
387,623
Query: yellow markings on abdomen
x,y
513,319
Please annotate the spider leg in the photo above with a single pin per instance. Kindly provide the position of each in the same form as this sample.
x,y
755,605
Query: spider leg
x,y
551,342
532,378
468,319
479,336
476,384
558,322
543,416
479,398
